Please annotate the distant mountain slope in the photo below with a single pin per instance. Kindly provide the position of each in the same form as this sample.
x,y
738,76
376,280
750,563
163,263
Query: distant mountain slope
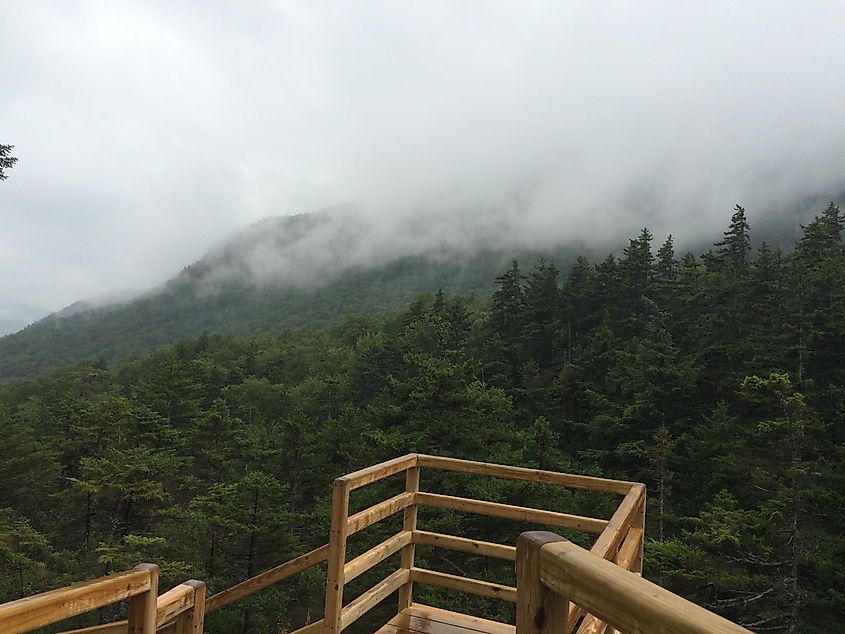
x,y
267,279
295,272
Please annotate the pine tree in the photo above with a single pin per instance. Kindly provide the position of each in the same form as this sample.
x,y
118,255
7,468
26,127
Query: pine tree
x,y
7,161
638,277
733,249
507,320
541,330
578,306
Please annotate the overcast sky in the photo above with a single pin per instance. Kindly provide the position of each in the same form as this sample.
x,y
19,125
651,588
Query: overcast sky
x,y
148,131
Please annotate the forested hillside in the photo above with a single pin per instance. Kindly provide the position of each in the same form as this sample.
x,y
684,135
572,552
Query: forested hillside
x,y
279,274
717,379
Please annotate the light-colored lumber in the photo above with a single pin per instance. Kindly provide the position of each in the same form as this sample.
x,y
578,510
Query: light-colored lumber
x,y
639,523
629,552
368,475
422,618
372,597
568,480
622,599
611,537
507,511
465,545
409,524
337,557
192,620
49,607
143,607
117,627
174,602
592,625
375,555
378,512
179,600
464,584
267,578
538,610
311,628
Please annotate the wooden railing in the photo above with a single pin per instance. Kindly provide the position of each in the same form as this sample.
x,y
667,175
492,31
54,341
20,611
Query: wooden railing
x,y
139,586
618,547
619,538
552,572
180,610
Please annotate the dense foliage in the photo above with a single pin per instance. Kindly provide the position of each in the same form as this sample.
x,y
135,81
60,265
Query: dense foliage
x,y
719,380
189,305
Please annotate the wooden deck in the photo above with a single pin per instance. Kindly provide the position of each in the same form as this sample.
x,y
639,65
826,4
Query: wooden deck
x,y
423,619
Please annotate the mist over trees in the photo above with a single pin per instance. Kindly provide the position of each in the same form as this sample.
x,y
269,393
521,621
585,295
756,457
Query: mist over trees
x,y
716,379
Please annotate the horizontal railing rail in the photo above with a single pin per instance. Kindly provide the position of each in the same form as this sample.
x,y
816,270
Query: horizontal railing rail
x,y
619,540
625,527
139,586
180,610
552,572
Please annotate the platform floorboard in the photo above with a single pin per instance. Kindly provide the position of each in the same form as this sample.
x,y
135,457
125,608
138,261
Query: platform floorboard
x,y
424,619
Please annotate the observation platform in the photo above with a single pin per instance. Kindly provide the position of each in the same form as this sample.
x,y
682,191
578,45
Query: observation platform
x,y
560,586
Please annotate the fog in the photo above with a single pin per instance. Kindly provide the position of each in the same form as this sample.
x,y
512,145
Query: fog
x,y
148,132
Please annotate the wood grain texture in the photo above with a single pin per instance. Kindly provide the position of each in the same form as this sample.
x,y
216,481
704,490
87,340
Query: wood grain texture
x,y
538,610
337,556
372,597
611,537
267,578
568,480
143,607
379,471
629,552
409,523
375,555
50,607
464,584
465,545
508,511
378,512
622,599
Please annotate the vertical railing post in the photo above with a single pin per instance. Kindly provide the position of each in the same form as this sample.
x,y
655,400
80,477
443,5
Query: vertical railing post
x,y
538,609
337,556
638,521
193,621
409,523
142,607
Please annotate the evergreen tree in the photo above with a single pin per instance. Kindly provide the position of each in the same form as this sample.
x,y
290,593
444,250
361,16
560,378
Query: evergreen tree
x,y
542,326
733,249
7,161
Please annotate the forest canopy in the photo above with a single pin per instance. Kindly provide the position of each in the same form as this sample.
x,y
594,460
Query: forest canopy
x,y
717,379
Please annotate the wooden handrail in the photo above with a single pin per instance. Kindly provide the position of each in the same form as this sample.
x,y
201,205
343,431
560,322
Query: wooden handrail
x,y
464,584
508,511
620,540
139,585
552,571
375,595
375,555
568,480
617,528
385,469
465,545
180,610
378,512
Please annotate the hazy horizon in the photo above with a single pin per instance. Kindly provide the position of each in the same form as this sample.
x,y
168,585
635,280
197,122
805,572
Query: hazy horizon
x,y
147,133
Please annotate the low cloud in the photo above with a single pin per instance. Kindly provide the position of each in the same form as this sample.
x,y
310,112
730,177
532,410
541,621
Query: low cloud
x,y
148,131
